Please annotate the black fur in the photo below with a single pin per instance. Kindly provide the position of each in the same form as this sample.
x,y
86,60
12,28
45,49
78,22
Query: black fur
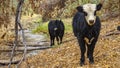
x,y
99,6
56,30
80,8
81,30
118,28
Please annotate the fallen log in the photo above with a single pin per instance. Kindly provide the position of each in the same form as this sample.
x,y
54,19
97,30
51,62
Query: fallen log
x,y
33,44
6,62
21,49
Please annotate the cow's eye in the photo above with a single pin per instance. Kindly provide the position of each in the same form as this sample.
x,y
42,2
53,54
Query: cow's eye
x,y
85,13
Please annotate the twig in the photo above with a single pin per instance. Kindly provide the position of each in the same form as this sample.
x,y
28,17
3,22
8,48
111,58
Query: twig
x,y
108,34
3,35
113,33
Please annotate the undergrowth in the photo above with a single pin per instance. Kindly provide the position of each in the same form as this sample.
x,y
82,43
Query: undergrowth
x,y
43,26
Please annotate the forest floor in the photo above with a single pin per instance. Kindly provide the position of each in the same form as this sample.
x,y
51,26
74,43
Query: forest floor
x,y
67,55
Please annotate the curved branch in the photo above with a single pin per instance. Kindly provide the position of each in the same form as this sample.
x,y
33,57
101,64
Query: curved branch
x,y
6,62
17,23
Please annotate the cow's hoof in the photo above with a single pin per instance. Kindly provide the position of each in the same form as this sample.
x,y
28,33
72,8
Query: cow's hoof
x,y
82,63
51,45
60,43
91,62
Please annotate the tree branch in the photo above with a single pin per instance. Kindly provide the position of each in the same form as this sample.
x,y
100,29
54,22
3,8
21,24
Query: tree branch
x,y
30,48
17,23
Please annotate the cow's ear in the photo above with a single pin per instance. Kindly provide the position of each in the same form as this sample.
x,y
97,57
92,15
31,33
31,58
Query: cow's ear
x,y
99,6
79,8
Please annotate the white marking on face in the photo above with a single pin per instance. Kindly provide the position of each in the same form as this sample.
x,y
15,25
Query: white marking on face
x,y
90,10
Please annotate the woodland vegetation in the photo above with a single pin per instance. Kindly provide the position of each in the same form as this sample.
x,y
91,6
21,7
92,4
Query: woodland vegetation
x,y
52,8
67,54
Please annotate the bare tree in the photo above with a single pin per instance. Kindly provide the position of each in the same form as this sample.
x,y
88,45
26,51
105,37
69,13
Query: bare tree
x,y
18,24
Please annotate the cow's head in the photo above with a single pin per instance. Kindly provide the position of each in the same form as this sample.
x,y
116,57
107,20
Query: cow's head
x,y
89,11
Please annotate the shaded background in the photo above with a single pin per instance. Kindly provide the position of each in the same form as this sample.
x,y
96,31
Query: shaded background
x,y
54,8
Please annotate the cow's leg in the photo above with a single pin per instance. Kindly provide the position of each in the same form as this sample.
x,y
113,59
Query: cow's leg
x,y
83,49
61,36
91,50
61,39
57,38
51,40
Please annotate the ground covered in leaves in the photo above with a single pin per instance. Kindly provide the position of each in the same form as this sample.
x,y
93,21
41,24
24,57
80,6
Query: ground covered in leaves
x,y
67,55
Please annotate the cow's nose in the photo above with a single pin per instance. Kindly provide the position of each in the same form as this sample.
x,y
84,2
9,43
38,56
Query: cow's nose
x,y
91,21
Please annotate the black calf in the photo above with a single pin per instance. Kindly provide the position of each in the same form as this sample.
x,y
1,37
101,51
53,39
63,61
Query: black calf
x,y
56,30
86,33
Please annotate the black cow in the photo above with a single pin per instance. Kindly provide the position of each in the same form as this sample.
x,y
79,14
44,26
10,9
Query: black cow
x,y
56,30
86,27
